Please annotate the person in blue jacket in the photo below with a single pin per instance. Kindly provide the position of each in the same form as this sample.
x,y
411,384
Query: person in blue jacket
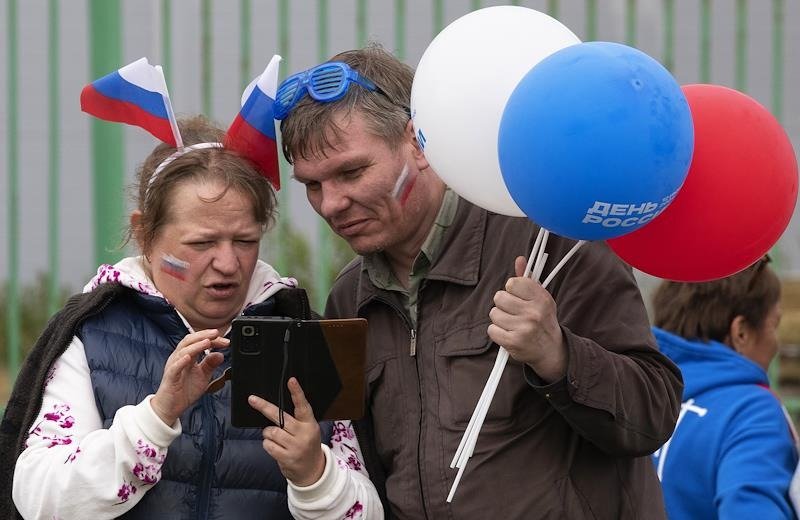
x,y
733,451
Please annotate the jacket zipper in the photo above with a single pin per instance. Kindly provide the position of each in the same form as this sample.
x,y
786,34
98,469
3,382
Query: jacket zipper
x,y
420,444
413,348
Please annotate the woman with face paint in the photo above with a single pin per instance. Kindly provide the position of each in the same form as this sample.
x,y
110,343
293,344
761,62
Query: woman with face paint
x,y
123,424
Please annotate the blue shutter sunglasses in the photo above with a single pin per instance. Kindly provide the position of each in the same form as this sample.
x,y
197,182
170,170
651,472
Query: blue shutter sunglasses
x,y
325,83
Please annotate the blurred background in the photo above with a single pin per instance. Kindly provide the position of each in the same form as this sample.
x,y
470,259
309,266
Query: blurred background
x,y
63,174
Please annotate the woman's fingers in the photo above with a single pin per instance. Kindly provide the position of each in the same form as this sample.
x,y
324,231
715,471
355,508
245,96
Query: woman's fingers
x,y
303,413
220,342
302,408
186,375
194,337
278,436
195,349
267,409
212,361
296,446
281,438
186,357
270,411
201,340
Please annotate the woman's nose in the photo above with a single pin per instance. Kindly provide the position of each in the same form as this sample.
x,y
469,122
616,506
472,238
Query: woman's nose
x,y
225,259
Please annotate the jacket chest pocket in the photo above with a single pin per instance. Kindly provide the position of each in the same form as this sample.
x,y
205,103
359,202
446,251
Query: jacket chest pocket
x,y
464,362
387,406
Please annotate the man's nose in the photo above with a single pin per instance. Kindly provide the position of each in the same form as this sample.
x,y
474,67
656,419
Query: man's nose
x,y
333,200
225,259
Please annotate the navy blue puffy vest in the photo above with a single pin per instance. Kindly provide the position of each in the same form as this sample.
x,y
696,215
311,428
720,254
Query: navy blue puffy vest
x,y
212,469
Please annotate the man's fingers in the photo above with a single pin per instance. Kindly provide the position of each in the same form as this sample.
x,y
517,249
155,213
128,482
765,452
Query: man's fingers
x,y
506,321
302,408
519,265
524,288
499,335
506,301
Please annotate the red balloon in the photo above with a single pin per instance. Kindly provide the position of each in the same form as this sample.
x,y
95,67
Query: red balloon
x,y
737,200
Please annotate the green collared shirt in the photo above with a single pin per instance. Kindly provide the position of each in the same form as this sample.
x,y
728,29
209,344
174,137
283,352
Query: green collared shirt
x,y
382,276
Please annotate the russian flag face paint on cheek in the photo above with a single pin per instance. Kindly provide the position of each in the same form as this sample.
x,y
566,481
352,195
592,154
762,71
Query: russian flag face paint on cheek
x,y
405,182
174,266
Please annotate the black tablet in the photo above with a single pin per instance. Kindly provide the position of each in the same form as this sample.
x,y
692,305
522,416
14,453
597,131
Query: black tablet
x,y
326,356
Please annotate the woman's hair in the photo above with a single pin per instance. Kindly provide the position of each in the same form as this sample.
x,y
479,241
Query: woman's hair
x,y
310,127
705,311
217,165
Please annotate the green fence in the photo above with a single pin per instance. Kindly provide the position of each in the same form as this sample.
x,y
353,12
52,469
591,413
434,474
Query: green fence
x,y
295,23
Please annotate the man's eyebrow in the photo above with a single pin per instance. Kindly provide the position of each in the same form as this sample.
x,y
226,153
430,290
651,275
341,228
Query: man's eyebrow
x,y
346,165
351,164
299,179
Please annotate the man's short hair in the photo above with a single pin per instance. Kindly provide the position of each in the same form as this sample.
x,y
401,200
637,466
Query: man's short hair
x,y
310,128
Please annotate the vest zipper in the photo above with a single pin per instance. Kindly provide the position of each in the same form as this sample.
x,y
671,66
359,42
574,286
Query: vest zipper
x,y
413,347
206,464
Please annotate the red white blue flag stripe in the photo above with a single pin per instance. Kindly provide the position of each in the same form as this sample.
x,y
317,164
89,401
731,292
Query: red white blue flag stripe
x,y
137,95
252,133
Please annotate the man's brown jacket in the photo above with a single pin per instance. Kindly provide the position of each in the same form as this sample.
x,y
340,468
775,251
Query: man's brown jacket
x,y
577,448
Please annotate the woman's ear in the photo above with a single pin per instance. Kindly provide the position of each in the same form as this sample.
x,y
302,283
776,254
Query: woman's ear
x,y
740,334
419,156
136,229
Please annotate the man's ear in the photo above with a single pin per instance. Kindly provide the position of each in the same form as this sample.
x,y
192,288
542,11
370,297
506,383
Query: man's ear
x,y
419,156
740,334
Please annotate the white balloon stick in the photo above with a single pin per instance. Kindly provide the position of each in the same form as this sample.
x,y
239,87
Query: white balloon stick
x,y
499,363
467,446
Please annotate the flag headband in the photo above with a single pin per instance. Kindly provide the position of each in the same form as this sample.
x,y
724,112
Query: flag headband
x,y
137,94
178,153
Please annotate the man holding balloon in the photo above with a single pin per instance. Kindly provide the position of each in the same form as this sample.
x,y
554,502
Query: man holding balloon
x,y
586,396
427,178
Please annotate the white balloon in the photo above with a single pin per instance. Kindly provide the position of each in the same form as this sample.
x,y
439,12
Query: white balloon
x,y
461,87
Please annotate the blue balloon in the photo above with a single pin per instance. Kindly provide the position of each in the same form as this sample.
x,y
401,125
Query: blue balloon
x,y
595,141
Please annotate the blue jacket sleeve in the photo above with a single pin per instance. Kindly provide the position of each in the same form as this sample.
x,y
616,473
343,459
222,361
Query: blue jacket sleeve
x,y
757,462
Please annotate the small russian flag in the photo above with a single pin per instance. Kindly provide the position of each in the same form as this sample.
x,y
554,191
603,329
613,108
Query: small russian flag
x,y
137,95
252,133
